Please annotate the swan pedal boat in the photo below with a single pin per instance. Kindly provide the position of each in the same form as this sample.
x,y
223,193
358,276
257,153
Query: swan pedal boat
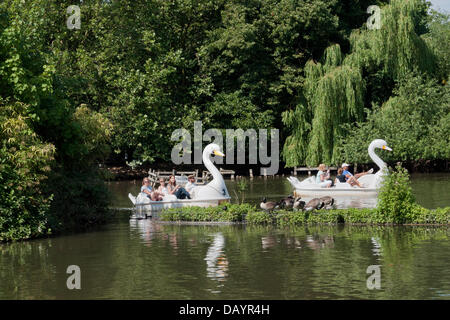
x,y
210,195
371,182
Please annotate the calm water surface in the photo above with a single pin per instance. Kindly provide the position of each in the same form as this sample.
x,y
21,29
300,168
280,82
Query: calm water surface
x,y
146,259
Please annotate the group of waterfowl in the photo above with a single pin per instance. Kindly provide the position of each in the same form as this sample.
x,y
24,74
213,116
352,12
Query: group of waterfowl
x,y
297,204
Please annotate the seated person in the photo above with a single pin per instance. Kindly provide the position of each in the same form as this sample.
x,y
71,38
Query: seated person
x,y
352,179
162,187
340,177
322,177
146,188
176,190
191,184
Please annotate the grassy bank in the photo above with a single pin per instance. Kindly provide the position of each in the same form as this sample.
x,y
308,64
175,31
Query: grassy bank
x,y
251,215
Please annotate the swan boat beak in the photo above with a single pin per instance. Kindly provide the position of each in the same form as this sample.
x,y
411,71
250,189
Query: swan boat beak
x,y
218,153
386,148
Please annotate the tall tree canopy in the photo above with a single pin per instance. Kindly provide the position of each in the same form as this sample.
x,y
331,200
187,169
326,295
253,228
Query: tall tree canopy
x,y
339,86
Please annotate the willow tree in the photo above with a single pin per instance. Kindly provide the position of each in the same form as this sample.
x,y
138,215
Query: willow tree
x,y
335,90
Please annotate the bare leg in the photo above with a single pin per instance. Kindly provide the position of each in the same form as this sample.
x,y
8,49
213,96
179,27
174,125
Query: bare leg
x,y
360,174
155,196
354,182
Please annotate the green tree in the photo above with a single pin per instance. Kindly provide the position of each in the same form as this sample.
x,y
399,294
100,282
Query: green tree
x,y
25,161
335,89
414,121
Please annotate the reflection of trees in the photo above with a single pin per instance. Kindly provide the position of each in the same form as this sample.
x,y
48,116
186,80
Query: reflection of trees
x,y
18,262
411,263
37,269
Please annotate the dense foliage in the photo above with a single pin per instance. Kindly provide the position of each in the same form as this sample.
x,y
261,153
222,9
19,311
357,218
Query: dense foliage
x,y
231,64
250,215
48,141
228,63
380,62
415,121
225,213
24,163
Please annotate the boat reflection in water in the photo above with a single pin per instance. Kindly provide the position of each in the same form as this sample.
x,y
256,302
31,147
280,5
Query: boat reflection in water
x,y
148,230
216,260
377,250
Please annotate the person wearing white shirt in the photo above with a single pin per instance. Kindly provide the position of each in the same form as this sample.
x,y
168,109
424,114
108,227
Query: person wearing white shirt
x,y
162,187
323,177
190,184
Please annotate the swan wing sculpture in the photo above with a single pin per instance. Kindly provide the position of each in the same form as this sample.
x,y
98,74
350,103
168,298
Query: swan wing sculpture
x,y
216,188
374,180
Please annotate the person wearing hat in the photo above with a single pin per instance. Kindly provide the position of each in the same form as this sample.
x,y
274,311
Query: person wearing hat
x,y
353,179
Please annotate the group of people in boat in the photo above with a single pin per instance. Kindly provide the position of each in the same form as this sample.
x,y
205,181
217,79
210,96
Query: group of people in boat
x,y
343,176
169,188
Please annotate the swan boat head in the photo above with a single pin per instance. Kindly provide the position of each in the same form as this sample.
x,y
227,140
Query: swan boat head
x,y
379,144
216,188
374,180
212,149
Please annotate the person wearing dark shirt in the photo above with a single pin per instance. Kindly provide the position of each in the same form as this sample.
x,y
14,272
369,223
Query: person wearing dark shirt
x,y
353,179
340,177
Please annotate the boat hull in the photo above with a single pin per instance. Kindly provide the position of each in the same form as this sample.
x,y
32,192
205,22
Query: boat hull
x,y
148,209
335,192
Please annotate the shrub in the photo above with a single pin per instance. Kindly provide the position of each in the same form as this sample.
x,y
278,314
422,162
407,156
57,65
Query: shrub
x,y
249,214
226,212
24,163
258,217
396,201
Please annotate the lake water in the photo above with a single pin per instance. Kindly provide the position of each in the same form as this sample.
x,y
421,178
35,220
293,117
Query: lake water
x,y
147,259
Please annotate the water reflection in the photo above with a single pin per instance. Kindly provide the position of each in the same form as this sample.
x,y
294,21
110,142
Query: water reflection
x,y
146,229
318,242
150,260
268,242
216,260
376,247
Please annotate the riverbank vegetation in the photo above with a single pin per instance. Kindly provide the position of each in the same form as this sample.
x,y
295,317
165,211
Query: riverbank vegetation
x,y
396,205
50,146
117,88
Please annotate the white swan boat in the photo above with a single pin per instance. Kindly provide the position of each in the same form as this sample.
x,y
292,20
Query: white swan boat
x,y
371,182
212,194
